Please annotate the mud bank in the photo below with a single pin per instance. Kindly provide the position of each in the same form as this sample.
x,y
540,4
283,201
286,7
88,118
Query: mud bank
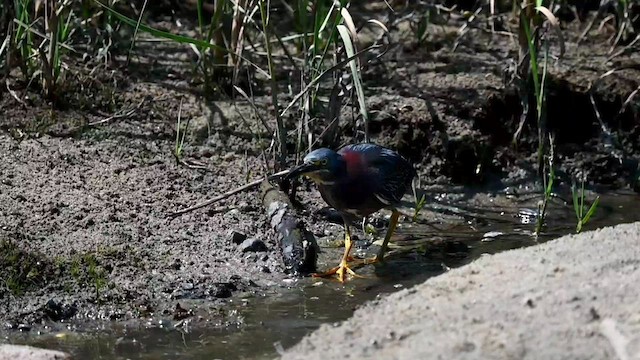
x,y
571,298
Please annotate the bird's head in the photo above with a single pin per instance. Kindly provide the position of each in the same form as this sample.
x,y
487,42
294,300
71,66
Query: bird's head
x,y
321,165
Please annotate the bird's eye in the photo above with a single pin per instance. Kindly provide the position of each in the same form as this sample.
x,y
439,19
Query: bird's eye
x,y
323,162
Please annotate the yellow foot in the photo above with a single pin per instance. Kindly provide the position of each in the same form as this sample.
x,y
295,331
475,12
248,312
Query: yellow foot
x,y
340,271
374,260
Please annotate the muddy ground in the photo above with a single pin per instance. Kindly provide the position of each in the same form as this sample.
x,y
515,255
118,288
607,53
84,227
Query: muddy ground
x,y
571,298
86,185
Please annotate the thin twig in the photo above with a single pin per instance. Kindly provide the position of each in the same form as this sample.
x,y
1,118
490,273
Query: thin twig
x,y
135,32
14,94
627,102
193,165
624,49
118,115
228,194
252,103
603,126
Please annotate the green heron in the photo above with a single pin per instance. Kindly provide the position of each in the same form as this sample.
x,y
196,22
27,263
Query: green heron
x,y
358,180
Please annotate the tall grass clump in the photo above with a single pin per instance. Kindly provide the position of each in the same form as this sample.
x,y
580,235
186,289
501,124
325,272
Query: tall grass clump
x,y
209,44
323,51
21,51
213,61
530,72
331,73
36,41
57,20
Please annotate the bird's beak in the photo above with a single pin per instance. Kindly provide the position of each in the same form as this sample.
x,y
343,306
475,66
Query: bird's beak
x,y
301,170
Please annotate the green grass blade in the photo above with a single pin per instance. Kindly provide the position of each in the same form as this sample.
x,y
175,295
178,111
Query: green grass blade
x,y
533,54
541,95
582,200
4,45
30,30
323,75
355,72
592,210
322,18
135,33
325,21
159,33
200,17
177,38
576,206
549,188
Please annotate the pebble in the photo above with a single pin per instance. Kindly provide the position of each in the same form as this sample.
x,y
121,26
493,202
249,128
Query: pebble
x,y
236,237
254,245
57,311
222,290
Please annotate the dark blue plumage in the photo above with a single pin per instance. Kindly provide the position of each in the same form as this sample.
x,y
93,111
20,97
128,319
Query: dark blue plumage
x,y
367,178
358,180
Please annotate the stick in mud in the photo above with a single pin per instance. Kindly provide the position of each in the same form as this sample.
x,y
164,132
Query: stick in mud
x,y
227,194
297,245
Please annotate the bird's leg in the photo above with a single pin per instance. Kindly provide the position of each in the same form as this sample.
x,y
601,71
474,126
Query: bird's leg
x,y
393,222
343,268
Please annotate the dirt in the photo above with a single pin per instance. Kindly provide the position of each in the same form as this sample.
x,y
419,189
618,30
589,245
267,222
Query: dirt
x,y
570,298
87,183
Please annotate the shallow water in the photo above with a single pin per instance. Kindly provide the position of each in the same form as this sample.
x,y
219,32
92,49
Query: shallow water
x,y
265,325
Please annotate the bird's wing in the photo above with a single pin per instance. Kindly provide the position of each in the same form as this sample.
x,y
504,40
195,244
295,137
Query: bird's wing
x,y
389,173
395,173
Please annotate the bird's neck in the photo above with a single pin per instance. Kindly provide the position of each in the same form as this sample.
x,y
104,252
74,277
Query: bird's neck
x,y
339,169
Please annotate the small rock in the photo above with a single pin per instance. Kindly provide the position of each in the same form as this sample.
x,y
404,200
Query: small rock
x,y
222,290
236,237
187,286
232,212
180,313
330,215
251,257
176,265
529,303
88,222
58,311
254,245
31,353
